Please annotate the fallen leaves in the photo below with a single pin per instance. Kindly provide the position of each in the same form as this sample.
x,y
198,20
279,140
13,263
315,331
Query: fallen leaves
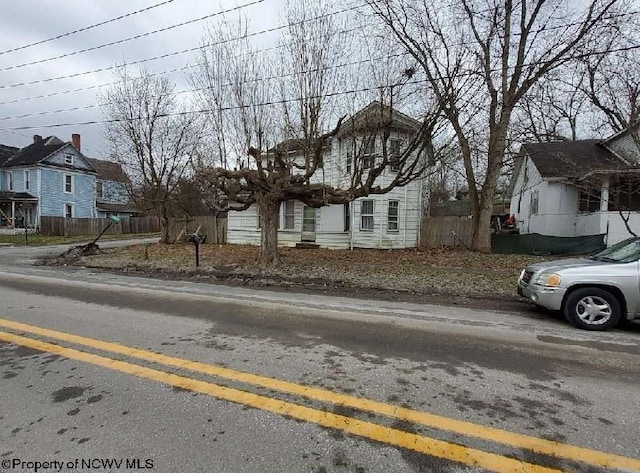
x,y
446,271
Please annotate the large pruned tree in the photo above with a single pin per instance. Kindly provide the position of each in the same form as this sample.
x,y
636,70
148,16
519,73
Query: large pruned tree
x,y
272,135
152,137
480,59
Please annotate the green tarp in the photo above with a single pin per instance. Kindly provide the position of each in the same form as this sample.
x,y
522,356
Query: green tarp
x,y
536,244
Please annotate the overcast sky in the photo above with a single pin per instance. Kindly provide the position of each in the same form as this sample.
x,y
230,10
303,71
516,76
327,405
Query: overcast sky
x,y
26,21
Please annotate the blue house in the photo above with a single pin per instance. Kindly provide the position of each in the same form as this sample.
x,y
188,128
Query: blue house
x,y
112,197
51,177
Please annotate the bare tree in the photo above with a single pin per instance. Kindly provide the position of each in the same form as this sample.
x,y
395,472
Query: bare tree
x,y
481,59
279,143
151,137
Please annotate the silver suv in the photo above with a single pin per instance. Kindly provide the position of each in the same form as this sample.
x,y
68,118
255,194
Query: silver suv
x,y
594,293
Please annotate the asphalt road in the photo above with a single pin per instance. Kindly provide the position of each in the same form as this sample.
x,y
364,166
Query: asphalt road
x,y
178,376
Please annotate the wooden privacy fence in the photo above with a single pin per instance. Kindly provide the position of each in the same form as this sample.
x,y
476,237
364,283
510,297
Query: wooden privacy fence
x,y
436,231
61,226
213,228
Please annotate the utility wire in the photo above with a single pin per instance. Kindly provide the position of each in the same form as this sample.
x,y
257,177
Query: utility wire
x,y
176,53
229,84
131,38
169,71
273,102
184,51
462,74
64,35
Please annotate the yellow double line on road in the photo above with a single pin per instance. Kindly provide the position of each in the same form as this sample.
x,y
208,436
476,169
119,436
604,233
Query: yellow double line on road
x,y
419,443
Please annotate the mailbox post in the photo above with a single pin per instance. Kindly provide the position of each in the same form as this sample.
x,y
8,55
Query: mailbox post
x,y
112,219
196,239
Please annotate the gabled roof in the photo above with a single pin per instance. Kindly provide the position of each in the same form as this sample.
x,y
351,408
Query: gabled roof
x,y
6,152
571,158
35,152
377,115
108,170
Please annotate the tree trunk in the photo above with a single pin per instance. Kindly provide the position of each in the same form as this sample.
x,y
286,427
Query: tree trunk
x,y
481,240
268,206
164,223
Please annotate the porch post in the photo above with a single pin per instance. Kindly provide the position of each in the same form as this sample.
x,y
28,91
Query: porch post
x,y
13,213
604,207
604,196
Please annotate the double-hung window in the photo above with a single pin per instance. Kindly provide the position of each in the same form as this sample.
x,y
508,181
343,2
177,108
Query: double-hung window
x,y
10,180
99,189
392,216
368,153
68,183
68,210
394,155
27,184
535,199
289,214
366,215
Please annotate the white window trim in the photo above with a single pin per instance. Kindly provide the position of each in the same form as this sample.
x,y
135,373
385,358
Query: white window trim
x,y
292,215
10,183
372,215
397,216
64,184
64,209
68,159
27,180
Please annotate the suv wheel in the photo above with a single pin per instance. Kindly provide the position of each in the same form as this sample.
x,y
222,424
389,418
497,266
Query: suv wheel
x,y
592,308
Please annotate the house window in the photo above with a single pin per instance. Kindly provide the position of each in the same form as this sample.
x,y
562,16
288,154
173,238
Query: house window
x,y
368,153
347,217
392,216
68,183
394,155
289,209
99,189
535,197
589,200
68,210
349,162
68,159
27,184
10,180
366,215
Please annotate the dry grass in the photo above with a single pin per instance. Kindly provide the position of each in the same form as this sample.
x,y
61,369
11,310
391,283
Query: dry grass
x,y
441,270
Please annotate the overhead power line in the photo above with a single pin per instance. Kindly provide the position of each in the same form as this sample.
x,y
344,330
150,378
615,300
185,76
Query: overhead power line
x,y
282,101
176,53
187,91
80,30
131,38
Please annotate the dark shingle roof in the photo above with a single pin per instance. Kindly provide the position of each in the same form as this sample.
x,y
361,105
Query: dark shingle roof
x,y
9,195
109,207
6,152
35,152
571,158
108,170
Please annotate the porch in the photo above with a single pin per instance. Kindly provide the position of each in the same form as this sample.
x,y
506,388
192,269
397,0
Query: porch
x,y
18,210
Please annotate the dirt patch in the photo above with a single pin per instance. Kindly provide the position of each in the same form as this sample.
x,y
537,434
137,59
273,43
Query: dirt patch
x,y
450,277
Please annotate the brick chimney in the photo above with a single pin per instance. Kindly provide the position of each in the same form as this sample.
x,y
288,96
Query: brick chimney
x,y
37,139
75,139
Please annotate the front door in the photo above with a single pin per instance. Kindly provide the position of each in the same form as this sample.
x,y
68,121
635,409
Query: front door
x,y
308,224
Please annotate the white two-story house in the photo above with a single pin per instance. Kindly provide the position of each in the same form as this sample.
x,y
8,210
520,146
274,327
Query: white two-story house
x,y
389,220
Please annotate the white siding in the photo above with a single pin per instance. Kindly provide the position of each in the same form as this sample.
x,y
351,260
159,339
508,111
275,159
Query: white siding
x,y
330,233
